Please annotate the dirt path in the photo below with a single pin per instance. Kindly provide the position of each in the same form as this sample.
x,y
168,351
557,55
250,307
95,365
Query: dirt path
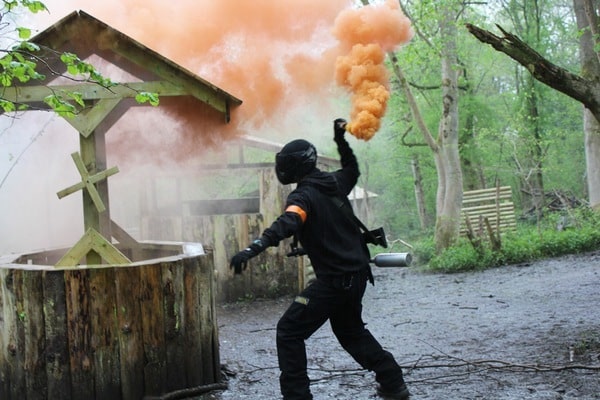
x,y
545,313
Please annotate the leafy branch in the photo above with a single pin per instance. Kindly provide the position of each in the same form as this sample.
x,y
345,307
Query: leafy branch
x,y
20,65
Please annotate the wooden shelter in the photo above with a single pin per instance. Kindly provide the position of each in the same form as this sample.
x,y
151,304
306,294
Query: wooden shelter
x,y
102,320
81,34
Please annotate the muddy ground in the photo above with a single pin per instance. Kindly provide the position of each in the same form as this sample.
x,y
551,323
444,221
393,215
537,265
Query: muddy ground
x,y
480,335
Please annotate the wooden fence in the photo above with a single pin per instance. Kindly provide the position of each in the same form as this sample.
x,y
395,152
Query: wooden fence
x,y
495,204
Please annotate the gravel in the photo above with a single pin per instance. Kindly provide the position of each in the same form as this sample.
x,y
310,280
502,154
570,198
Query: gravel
x,y
529,331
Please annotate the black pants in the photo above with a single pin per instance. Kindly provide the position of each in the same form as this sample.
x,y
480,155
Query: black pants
x,y
342,305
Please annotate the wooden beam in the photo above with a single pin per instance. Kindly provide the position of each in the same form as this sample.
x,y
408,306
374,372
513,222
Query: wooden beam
x,y
89,119
122,236
88,181
92,241
92,91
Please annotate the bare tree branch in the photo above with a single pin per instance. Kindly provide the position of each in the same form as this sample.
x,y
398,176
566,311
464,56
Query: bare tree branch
x,y
583,90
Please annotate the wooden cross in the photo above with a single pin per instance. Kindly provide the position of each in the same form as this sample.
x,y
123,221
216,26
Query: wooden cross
x,y
88,182
92,244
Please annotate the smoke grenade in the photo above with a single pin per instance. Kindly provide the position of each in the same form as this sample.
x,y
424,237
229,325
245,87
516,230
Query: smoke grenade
x,y
366,34
392,260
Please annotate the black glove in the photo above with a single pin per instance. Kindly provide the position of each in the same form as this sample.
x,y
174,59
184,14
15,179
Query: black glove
x,y
339,128
239,262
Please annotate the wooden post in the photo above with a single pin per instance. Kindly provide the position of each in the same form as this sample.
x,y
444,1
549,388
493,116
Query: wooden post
x,y
173,308
104,340
33,318
129,316
58,371
153,339
78,333
194,368
93,153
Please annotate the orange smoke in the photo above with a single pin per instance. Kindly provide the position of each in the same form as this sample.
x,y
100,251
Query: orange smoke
x,y
368,33
271,54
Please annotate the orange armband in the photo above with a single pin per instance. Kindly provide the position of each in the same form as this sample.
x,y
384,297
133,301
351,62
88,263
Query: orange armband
x,y
297,210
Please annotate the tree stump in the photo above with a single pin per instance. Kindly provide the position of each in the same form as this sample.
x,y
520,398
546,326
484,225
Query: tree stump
x,y
108,331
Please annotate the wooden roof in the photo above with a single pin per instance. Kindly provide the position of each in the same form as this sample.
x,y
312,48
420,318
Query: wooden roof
x,y
82,34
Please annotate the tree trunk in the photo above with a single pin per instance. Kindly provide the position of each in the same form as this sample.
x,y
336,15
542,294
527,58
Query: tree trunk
x,y
471,161
445,148
419,195
532,178
473,174
592,156
585,13
450,185
526,16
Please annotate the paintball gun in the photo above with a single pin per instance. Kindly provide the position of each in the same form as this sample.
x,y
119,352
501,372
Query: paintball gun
x,y
376,236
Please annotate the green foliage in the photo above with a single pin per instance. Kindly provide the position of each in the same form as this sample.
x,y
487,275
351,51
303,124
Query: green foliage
x,y
525,245
24,33
424,251
519,247
62,103
496,130
33,6
588,343
147,97
19,66
461,257
75,66
15,66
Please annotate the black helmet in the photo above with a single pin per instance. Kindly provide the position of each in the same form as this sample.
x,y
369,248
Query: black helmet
x,y
295,160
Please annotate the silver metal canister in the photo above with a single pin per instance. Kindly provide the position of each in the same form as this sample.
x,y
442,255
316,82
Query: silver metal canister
x,y
392,260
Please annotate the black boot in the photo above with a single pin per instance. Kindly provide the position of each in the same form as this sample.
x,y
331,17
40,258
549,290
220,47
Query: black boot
x,y
400,393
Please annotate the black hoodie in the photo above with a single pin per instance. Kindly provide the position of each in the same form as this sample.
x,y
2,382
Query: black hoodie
x,y
326,231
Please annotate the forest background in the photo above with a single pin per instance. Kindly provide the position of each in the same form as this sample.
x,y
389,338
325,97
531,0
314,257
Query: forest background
x,y
512,129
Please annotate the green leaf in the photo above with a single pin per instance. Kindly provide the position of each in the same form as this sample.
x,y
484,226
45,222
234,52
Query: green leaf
x,y
24,33
78,97
72,70
27,46
68,58
147,97
7,106
6,60
60,106
34,6
5,79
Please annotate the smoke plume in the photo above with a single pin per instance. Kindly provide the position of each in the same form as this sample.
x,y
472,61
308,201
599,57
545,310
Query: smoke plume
x,y
276,56
367,33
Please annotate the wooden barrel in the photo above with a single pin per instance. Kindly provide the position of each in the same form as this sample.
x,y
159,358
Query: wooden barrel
x,y
138,331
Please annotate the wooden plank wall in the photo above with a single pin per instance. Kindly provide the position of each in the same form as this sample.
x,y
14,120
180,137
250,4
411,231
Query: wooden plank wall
x,y
119,333
495,204
270,274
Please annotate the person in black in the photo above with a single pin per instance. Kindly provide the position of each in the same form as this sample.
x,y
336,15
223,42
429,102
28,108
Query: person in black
x,y
316,213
